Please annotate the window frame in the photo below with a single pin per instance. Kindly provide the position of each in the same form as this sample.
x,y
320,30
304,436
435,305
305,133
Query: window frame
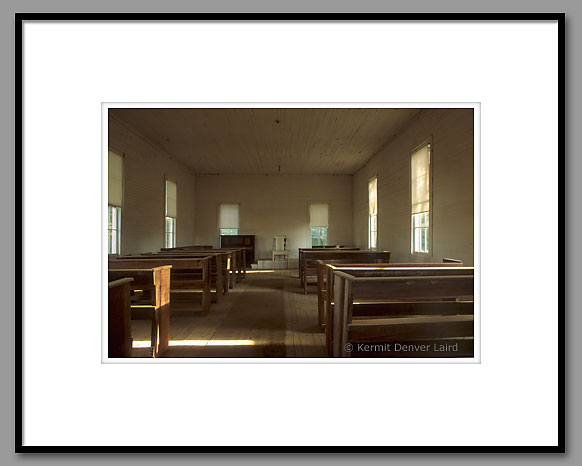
x,y
120,232
165,217
375,247
218,228
118,229
428,141
309,226
173,222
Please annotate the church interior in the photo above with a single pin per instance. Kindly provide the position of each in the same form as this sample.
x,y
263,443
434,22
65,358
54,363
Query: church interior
x,y
290,232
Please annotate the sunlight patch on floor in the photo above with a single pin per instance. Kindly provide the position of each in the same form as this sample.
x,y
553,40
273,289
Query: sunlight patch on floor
x,y
147,343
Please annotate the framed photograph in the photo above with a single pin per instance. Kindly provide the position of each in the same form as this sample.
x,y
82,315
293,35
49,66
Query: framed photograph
x,y
263,219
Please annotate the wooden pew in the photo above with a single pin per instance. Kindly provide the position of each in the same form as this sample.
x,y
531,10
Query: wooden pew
x,y
150,301
436,307
327,248
301,250
239,271
188,274
239,268
185,248
311,257
228,262
238,260
119,320
325,279
371,270
219,264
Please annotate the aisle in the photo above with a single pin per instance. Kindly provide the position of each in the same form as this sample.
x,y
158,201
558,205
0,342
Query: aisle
x,y
266,315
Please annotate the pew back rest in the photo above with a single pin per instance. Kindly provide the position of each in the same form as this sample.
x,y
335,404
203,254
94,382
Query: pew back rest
x,y
405,271
325,248
311,257
350,288
186,248
326,269
429,286
119,282
183,254
178,264
452,261
339,264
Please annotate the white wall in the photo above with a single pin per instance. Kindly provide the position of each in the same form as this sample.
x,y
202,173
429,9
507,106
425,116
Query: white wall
x,y
274,205
452,193
278,204
145,168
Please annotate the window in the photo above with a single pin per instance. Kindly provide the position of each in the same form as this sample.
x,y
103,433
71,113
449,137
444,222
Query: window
x,y
318,219
420,200
228,219
229,231
115,197
373,213
171,214
114,233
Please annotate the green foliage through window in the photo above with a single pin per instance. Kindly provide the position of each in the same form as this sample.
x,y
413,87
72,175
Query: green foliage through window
x,y
229,231
318,236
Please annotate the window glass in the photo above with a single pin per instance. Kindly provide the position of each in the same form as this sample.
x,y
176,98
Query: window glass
x,y
229,231
318,223
420,199
114,229
318,236
373,213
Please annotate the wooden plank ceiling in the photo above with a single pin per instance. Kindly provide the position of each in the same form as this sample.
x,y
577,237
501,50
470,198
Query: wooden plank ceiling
x,y
268,140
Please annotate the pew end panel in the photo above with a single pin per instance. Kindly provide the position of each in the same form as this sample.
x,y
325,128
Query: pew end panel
x,y
119,318
155,282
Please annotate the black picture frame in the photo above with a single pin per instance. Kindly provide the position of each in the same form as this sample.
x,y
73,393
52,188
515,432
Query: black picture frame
x,y
20,18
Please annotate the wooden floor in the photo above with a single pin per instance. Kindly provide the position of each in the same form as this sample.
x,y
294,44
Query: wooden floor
x,y
265,315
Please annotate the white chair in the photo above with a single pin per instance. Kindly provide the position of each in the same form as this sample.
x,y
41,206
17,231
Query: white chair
x,y
280,249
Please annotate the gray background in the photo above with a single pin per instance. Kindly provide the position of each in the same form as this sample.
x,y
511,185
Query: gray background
x,y
573,10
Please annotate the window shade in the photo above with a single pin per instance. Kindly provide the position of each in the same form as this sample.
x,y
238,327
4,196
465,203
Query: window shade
x,y
318,215
419,180
171,199
228,217
115,169
373,197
